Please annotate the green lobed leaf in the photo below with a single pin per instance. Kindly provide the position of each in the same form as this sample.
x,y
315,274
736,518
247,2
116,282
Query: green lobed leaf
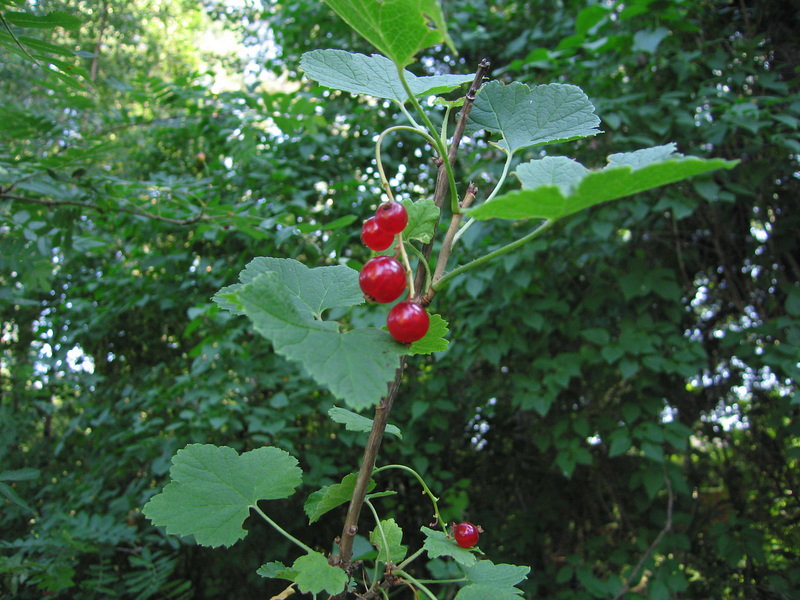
x,y
398,29
554,187
501,575
481,591
285,301
524,116
373,75
394,535
48,21
423,215
213,489
434,340
488,580
355,422
438,544
329,497
314,574
313,291
276,570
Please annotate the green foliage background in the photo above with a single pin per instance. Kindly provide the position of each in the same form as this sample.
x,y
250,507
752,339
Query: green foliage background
x,y
654,337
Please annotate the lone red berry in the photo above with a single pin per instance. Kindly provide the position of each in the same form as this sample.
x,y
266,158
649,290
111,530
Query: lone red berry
x,y
466,534
374,237
408,322
383,279
392,217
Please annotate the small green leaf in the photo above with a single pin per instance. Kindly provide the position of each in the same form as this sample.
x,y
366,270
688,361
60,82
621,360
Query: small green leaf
x,y
792,304
48,21
394,535
423,215
620,443
437,544
434,340
314,574
526,116
647,40
8,492
356,422
554,187
213,489
331,496
42,46
20,474
398,29
373,75
276,570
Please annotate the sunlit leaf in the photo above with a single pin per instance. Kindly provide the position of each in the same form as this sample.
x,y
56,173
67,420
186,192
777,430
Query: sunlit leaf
x,y
524,116
373,75
554,187
398,29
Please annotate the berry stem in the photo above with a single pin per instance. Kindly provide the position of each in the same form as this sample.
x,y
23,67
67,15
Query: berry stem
x,y
418,254
379,527
425,489
384,181
406,265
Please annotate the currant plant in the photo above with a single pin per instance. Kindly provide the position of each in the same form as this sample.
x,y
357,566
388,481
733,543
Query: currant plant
x,y
214,489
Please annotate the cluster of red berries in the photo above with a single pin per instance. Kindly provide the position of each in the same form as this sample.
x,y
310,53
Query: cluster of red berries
x,y
384,279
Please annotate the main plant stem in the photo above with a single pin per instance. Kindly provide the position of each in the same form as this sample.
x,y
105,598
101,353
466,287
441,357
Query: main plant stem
x,y
384,408
367,466
442,183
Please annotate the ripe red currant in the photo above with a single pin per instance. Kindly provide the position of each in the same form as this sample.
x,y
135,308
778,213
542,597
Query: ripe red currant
x,y
392,217
374,237
408,322
383,279
466,534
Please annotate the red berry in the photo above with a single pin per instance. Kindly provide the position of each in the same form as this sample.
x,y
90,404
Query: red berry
x,y
466,534
383,279
392,217
408,322
374,237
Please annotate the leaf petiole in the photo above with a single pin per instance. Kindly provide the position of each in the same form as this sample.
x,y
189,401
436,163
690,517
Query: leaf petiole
x,y
500,182
540,229
280,529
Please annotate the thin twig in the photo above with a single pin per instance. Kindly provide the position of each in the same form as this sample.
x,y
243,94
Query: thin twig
x,y
654,545
447,243
442,184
